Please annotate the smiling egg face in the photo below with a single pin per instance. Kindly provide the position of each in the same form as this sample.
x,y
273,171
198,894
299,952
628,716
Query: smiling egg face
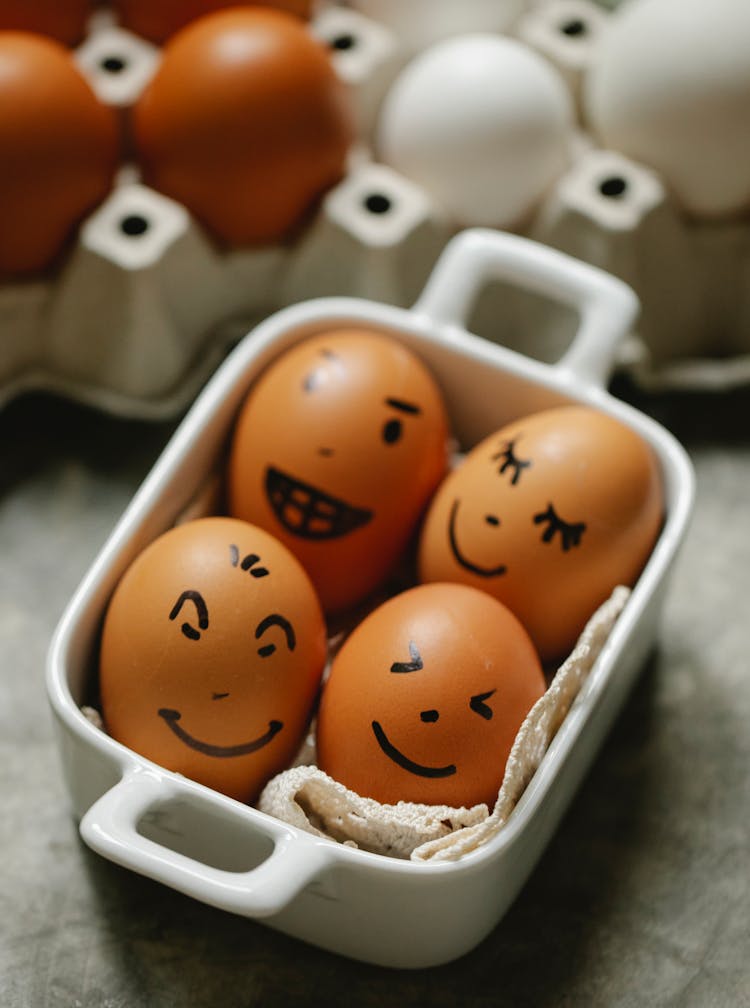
x,y
337,450
548,515
426,696
211,656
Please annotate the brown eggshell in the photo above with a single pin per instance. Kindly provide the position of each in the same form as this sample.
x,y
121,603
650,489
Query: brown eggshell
x,y
211,656
64,20
426,696
245,123
59,149
337,450
157,21
495,522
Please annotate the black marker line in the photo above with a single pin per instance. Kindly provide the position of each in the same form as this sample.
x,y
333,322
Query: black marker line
x,y
276,620
405,407
485,572
171,717
416,663
404,762
479,707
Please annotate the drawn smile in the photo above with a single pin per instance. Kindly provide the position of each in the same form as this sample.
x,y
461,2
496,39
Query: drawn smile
x,y
308,512
485,572
171,717
404,762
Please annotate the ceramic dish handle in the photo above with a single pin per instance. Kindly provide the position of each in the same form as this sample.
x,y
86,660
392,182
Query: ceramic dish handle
x,y
607,307
110,828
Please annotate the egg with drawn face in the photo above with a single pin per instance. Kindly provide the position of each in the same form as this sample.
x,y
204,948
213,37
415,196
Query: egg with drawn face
x,y
426,696
337,451
548,515
211,657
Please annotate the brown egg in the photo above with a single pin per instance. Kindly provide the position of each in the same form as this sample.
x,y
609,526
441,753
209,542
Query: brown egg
x,y
64,21
548,515
245,123
211,655
158,21
59,149
337,450
426,697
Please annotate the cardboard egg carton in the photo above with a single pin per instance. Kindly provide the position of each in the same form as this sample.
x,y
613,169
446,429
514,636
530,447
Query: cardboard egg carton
x,y
145,303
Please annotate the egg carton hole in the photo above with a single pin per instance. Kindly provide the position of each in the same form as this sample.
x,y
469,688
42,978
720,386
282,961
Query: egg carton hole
x,y
113,64
134,225
575,28
613,187
343,43
377,203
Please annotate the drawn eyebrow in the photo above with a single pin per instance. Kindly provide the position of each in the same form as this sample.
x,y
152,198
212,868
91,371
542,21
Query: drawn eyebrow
x,y
197,599
416,663
400,404
275,620
313,379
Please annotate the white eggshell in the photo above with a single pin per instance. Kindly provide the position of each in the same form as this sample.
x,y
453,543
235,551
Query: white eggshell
x,y
670,86
483,123
421,22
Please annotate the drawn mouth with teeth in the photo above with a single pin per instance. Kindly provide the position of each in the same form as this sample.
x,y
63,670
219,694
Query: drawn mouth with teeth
x,y
308,512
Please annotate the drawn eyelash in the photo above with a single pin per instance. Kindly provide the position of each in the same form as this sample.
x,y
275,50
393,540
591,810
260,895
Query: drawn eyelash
x,y
570,534
509,460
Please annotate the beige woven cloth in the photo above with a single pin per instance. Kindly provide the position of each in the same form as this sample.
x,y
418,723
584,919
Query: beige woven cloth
x,y
306,797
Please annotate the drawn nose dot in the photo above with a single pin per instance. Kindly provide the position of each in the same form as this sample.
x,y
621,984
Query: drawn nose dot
x,y
325,452
429,715
492,519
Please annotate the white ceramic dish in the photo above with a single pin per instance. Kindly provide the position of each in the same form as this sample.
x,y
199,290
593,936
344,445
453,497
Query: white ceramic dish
x,y
379,909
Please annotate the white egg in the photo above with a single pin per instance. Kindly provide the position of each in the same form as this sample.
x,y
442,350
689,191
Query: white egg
x,y
482,123
421,22
670,87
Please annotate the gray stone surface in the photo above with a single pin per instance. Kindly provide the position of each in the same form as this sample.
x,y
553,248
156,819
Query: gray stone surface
x,y
642,898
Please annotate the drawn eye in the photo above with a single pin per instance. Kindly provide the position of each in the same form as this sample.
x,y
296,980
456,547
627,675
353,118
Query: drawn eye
x,y
508,460
570,534
275,620
392,430
201,609
478,705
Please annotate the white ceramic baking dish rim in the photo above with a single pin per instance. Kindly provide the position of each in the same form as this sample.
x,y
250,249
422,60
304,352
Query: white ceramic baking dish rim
x,y
472,259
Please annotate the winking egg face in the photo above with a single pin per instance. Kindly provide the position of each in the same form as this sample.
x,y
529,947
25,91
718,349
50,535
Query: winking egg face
x,y
212,651
337,450
426,696
548,515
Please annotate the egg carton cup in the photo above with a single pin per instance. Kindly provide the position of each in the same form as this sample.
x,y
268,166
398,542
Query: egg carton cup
x,y
393,911
136,317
